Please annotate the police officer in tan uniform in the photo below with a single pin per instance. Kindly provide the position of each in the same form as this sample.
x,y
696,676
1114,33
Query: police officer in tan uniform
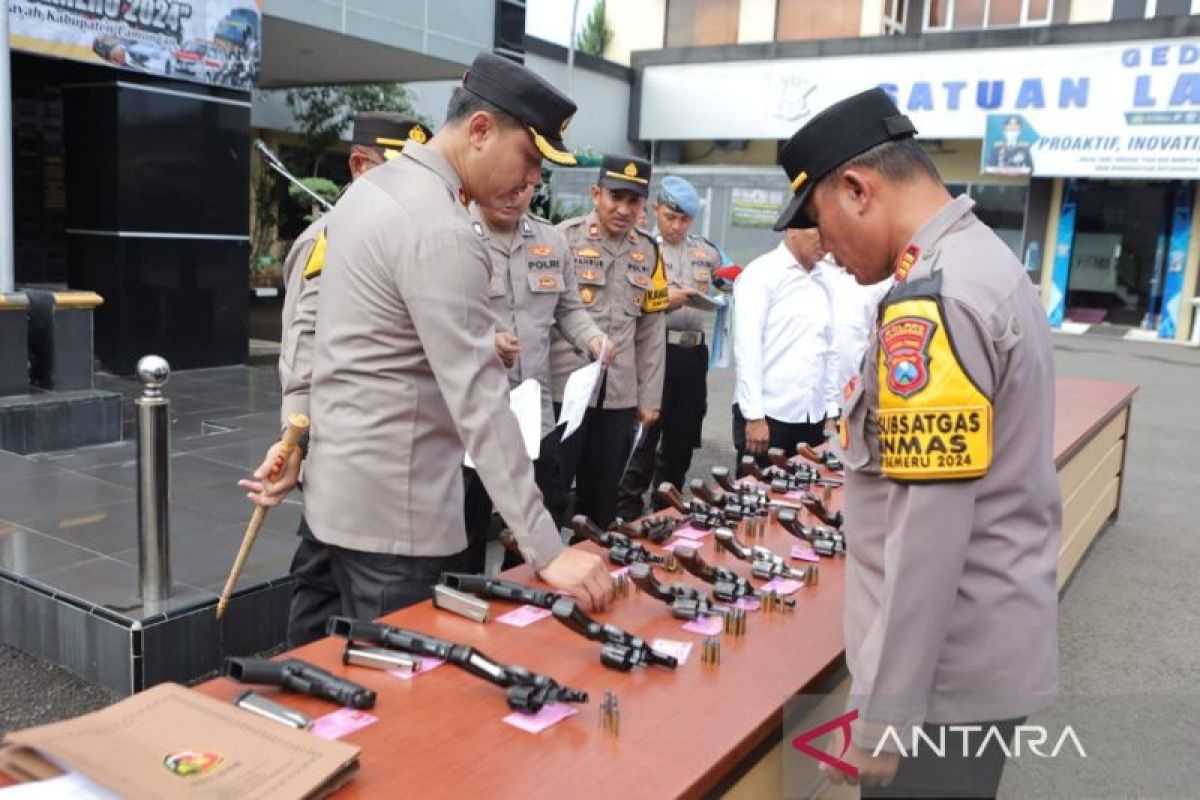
x,y
952,504
405,371
532,292
622,283
665,452
377,137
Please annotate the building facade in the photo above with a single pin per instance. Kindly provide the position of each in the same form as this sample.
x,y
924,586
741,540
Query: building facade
x,y
1075,125
132,142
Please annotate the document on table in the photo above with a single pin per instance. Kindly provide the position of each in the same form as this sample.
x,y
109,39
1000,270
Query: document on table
x,y
526,404
169,741
577,394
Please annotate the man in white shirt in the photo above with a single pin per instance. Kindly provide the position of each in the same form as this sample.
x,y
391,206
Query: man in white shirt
x,y
855,308
783,344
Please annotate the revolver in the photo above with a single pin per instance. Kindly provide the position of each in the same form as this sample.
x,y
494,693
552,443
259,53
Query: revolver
x,y
622,650
300,677
727,585
686,602
824,541
763,563
622,551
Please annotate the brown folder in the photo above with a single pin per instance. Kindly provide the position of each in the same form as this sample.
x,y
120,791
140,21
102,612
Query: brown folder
x,y
172,742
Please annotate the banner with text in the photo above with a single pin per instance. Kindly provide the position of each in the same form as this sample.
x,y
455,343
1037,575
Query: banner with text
x,y
1115,110
211,41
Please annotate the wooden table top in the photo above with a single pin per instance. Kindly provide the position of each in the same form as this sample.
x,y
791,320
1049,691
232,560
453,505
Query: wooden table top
x,y
1083,407
441,733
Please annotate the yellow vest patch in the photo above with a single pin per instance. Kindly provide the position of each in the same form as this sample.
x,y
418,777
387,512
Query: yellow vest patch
x,y
657,297
934,422
316,259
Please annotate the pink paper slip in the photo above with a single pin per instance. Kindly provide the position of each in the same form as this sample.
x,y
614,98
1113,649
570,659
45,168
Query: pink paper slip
x,y
803,553
670,647
709,626
748,603
427,664
524,616
536,723
688,532
795,494
782,586
616,573
342,722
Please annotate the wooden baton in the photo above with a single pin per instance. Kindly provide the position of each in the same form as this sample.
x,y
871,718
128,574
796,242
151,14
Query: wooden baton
x,y
297,426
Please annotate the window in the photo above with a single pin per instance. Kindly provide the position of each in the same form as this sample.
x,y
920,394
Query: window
x,y
803,20
696,23
1170,8
1001,207
959,15
895,17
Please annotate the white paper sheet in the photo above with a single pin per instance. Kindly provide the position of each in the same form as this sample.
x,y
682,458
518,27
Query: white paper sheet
x,y
526,403
581,385
71,786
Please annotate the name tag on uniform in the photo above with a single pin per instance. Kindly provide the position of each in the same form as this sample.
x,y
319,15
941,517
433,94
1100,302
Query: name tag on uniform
x,y
934,422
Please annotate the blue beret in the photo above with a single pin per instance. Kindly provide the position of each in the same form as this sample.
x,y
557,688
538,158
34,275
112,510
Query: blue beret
x,y
680,195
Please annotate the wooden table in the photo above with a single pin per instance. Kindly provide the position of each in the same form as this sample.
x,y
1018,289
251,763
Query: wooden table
x,y
689,732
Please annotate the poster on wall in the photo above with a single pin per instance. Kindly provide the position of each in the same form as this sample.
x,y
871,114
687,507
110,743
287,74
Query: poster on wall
x,y
216,42
755,208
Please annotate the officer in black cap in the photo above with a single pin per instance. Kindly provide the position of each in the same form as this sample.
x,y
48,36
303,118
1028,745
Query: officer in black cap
x,y
623,283
386,133
406,375
951,489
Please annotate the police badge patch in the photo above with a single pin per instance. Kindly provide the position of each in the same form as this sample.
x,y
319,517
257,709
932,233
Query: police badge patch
x,y
905,344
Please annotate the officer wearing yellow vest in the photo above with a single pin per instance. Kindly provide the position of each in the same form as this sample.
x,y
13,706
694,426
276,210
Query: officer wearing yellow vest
x,y
665,452
952,508
622,282
377,137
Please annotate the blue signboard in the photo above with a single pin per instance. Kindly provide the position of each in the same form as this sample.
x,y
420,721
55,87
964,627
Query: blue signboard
x,y
1181,229
1057,307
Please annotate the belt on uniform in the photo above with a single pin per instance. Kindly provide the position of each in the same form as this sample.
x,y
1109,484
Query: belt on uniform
x,y
685,338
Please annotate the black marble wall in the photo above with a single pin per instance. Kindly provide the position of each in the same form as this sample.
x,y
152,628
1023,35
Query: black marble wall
x,y
157,222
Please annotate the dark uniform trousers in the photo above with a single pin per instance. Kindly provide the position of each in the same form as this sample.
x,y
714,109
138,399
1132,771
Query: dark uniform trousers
x,y
606,436
975,775
333,580
477,505
665,452
315,597
784,435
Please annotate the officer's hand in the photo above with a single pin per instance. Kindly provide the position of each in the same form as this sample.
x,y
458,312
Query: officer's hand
x,y
647,417
872,770
610,349
273,479
677,297
508,347
581,573
757,436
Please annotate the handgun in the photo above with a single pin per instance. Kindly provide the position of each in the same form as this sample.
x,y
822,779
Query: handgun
x,y
301,677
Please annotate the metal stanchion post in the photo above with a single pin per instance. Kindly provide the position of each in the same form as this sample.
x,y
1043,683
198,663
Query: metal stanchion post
x,y
154,480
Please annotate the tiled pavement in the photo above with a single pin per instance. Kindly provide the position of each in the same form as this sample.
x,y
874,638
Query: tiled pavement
x,y
69,520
